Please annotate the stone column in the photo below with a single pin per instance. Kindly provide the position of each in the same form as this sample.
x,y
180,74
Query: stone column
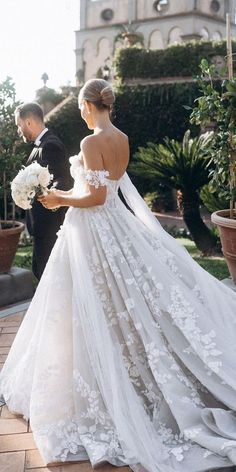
x,y
83,14
132,10
79,52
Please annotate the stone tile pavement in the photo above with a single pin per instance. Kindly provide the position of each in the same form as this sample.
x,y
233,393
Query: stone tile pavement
x,y
18,451
172,219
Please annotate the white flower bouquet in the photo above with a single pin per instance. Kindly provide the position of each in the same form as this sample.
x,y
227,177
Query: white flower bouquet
x,y
30,182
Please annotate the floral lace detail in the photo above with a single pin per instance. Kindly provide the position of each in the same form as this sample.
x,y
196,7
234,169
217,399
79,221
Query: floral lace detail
x,y
191,433
97,178
154,354
92,400
100,428
177,444
67,434
197,292
185,317
163,254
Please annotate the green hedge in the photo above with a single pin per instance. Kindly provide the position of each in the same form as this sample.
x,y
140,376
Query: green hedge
x,y
149,113
175,61
144,113
68,125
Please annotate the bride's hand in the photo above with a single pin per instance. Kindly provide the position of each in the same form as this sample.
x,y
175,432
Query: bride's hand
x,y
50,200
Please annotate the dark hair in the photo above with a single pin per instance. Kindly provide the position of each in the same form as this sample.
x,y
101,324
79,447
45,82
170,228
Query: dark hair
x,y
27,109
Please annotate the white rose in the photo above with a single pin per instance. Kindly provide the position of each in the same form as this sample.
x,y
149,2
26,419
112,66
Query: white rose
x,y
20,177
44,177
32,180
33,168
25,205
13,185
22,202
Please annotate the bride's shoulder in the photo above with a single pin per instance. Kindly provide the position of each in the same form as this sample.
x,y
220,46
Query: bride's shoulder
x,y
88,141
123,135
91,152
120,133
89,144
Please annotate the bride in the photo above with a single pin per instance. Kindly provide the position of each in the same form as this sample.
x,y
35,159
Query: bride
x,y
127,353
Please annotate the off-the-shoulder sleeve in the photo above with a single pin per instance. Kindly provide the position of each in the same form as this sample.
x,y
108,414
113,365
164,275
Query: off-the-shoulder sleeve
x,y
97,178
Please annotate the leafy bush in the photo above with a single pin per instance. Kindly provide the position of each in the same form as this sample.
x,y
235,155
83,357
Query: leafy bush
x,y
149,113
181,60
184,167
143,113
12,151
160,200
211,200
219,108
46,94
69,126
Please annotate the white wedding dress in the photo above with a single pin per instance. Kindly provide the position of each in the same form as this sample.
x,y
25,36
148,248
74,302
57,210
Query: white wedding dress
x,y
127,353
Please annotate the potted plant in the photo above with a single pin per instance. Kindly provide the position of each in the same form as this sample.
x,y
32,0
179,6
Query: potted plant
x,y
130,36
11,158
217,106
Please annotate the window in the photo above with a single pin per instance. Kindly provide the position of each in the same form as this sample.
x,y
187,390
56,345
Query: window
x,y
107,14
156,40
204,33
215,6
175,36
160,5
217,36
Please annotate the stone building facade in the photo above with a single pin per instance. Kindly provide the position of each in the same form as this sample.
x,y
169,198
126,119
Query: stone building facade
x,y
161,23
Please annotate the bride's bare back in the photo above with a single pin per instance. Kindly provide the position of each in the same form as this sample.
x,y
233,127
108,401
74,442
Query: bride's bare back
x,y
110,149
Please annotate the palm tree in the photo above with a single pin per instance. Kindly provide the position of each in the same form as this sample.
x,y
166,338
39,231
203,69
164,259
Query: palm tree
x,y
184,167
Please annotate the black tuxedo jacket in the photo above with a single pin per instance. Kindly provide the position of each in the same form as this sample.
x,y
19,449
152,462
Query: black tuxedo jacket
x,y
43,223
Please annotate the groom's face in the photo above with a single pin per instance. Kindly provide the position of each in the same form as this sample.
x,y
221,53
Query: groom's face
x,y
24,128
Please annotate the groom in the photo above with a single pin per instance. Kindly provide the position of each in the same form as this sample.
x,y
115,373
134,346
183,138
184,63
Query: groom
x,y
48,151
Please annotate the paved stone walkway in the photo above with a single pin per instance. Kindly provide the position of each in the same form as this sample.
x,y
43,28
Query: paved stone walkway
x,y
18,452
172,219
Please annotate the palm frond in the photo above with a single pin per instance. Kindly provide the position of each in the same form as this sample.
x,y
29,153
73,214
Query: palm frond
x,y
181,165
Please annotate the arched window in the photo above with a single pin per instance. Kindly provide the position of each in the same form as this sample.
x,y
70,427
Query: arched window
x,y
87,50
156,40
175,35
103,48
217,36
204,33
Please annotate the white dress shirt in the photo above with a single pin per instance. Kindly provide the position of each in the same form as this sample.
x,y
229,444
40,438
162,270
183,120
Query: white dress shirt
x,y
37,141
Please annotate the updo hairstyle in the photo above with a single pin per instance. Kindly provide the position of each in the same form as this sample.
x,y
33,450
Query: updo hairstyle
x,y
99,92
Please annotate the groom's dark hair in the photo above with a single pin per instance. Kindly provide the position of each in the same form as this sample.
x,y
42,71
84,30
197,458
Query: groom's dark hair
x,y
30,109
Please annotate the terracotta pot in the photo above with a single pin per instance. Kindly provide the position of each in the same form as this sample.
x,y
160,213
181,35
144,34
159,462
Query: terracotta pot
x,y
9,238
227,229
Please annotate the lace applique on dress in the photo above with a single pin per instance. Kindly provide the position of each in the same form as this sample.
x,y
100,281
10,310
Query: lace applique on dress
x,y
97,178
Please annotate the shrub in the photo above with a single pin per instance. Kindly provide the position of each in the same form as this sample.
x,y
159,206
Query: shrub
x,y
181,60
211,200
160,200
12,152
69,126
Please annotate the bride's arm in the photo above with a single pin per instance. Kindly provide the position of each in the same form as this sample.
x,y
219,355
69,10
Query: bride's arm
x,y
94,195
63,192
